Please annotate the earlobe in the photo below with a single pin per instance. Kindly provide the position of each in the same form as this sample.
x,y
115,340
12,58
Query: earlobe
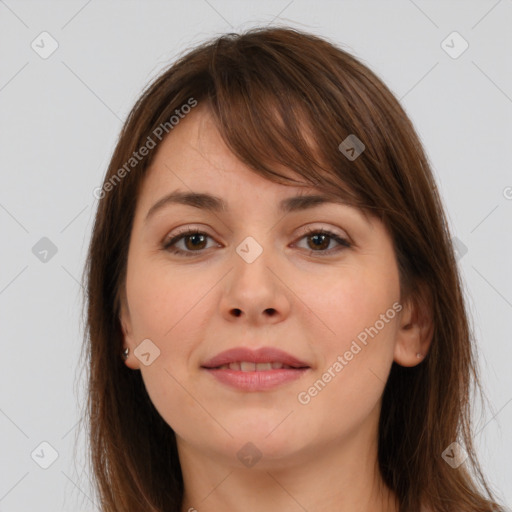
x,y
415,331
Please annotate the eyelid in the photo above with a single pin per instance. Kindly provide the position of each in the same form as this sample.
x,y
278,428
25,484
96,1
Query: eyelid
x,y
182,232
315,229
189,229
302,231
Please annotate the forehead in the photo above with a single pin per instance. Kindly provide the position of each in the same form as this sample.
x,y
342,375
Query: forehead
x,y
194,156
194,138
194,167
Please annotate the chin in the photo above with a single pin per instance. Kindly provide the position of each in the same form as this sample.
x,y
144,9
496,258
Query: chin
x,y
270,453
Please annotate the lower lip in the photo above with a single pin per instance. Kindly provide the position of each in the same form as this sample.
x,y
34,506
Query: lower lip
x,y
256,381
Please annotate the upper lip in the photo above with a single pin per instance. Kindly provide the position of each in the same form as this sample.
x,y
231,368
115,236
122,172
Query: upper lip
x,y
261,355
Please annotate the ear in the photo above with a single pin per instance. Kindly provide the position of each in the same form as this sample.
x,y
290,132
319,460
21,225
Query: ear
x,y
416,328
128,338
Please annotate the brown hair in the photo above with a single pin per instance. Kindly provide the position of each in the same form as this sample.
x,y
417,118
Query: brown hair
x,y
281,97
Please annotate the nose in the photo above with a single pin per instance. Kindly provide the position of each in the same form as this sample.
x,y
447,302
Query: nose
x,y
255,290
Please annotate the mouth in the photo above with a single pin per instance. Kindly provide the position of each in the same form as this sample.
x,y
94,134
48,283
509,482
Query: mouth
x,y
247,366
262,359
255,370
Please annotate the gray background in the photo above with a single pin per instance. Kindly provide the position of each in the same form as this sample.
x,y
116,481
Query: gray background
x,y
60,118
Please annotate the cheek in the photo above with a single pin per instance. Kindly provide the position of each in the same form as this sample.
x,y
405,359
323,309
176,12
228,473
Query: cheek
x,y
166,308
355,356
161,300
353,302
354,359
170,309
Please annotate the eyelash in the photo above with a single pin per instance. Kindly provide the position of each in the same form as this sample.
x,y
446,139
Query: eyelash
x,y
343,243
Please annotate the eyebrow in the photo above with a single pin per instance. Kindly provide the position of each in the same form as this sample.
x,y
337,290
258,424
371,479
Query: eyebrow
x,y
216,204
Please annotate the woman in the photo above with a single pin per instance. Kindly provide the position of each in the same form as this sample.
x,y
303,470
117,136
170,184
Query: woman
x,y
275,318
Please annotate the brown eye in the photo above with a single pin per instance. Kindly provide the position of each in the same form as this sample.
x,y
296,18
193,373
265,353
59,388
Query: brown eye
x,y
318,240
194,241
197,241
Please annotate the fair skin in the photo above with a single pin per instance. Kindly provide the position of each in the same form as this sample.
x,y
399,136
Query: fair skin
x,y
315,456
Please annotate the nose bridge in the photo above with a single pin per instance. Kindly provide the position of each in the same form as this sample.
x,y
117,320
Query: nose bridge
x,y
254,290
251,260
257,235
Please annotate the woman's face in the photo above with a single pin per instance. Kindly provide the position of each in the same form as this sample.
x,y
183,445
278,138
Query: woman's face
x,y
253,278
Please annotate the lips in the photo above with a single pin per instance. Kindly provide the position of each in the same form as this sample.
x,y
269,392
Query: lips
x,y
262,370
247,366
247,360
